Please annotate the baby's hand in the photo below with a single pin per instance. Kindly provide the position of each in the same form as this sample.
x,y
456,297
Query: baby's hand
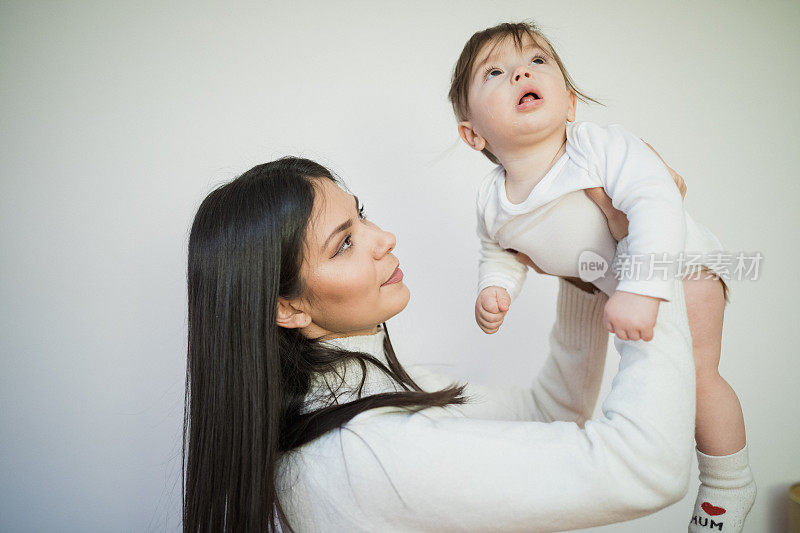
x,y
491,308
631,316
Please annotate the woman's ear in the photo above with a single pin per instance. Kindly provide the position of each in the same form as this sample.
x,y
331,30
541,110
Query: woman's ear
x,y
573,103
289,316
470,136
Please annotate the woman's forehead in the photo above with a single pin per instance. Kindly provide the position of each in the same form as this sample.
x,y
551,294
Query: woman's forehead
x,y
330,199
332,207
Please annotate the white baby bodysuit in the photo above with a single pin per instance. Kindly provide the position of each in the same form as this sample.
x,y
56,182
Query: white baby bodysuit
x,y
557,222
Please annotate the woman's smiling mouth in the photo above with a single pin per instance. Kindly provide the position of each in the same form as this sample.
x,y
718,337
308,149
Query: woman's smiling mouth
x,y
396,277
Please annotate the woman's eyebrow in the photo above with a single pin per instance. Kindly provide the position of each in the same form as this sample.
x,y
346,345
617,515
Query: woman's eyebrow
x,y
341,227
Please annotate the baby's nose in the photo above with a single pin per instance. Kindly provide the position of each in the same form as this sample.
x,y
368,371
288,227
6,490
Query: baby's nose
x,y
519,74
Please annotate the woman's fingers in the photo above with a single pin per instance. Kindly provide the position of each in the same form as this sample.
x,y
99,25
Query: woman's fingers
x,y
617,221
678,181
677,178
525,260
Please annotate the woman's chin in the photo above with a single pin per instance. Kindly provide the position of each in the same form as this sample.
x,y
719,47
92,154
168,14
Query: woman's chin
x,y
403,297
407,292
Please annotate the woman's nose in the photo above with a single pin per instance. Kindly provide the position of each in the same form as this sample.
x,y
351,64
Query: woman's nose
x,y
521,73
385,243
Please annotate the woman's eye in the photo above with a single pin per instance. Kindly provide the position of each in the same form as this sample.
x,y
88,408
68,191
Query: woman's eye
x,y
347,243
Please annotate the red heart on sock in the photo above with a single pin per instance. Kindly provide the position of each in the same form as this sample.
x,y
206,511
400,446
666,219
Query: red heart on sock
x,y
712,510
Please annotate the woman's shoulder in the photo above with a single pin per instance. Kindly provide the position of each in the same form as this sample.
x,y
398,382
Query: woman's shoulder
x,y
327,480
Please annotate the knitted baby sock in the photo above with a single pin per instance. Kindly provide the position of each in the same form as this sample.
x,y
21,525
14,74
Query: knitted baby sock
x,y
726,494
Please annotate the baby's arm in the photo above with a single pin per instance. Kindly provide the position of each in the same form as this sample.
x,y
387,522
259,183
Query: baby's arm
x,y
641,186
500,279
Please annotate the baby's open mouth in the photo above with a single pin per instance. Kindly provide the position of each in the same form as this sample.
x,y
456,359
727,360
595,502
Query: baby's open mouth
x,y
529,97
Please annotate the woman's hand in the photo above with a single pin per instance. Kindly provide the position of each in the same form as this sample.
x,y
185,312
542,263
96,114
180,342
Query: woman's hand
x,y
616,219
675,176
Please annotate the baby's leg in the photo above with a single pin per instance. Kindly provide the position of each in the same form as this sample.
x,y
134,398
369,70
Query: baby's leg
x,y
727,489
720,425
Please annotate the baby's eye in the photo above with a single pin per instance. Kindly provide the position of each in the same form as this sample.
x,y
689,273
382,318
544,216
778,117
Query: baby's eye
x,y
492,72
537,60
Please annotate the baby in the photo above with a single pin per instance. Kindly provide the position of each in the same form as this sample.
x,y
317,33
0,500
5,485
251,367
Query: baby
x,y
515,102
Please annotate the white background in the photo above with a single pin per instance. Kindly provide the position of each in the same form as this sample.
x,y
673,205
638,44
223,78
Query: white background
x,y
116,120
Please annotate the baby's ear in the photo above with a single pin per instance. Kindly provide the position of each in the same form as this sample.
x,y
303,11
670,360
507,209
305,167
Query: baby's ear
x,y
573,102
470,136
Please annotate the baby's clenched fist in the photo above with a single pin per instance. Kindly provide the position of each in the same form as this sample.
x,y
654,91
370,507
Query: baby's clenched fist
x,y
491,307
631,316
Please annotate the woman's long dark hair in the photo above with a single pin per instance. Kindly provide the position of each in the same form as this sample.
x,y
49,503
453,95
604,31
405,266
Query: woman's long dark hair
x,y
247,378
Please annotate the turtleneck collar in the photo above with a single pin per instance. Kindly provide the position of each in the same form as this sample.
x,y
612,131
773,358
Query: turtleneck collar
x,y
341,386
371,344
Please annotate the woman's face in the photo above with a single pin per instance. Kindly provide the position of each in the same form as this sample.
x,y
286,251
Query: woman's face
x,y
352,281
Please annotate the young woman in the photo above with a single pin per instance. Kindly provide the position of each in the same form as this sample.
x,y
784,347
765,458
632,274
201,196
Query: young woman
x,y
300,417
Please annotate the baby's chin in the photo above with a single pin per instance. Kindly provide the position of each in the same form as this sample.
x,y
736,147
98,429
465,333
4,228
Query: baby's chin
x,y
505,130
525,132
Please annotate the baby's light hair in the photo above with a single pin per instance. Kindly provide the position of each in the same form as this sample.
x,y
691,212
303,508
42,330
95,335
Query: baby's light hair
x,y
463,71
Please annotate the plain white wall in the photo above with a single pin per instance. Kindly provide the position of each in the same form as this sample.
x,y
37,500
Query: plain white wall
x,y
116,120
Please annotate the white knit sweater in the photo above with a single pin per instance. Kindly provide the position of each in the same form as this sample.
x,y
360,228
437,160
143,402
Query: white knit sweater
x,y
513,459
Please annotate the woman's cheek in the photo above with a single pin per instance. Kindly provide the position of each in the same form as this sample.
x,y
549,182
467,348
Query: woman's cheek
x,y
347,282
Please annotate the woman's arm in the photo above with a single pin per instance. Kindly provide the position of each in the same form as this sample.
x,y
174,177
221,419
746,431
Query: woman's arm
x,y
570,380
566,387
388,470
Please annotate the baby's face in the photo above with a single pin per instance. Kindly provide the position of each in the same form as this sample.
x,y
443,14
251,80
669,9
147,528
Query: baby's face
x,y
517,96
